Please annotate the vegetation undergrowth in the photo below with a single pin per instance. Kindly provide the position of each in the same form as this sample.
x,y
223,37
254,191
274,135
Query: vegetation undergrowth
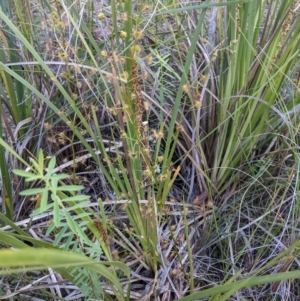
x,y
150,151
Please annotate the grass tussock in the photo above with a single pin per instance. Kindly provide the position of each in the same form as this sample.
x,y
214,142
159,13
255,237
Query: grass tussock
x,y
149,151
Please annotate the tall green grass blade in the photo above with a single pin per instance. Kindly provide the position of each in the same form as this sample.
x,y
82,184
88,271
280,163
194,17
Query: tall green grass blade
x,y
41,258
260,280
7,195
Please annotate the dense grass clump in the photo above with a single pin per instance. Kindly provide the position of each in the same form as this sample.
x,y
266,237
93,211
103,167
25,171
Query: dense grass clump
x,y
149,150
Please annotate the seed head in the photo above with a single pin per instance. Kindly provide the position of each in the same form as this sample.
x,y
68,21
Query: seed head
x,y
123,34
137,34
149,60
104,54
101,16
136,49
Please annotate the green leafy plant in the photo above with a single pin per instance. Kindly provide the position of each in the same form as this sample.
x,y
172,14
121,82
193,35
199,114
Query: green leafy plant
x,y
64,207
